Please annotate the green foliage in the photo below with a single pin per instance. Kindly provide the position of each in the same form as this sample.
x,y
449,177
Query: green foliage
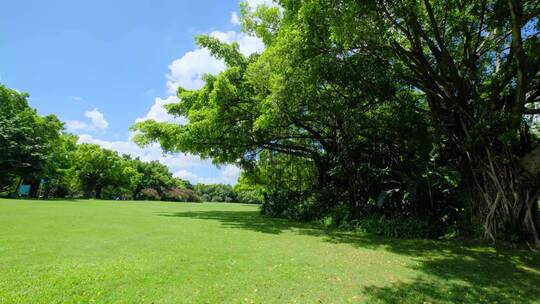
x,y
36,151
27,140
97,168
149,194
215,193
400,109
58,174
248,196
356,111
263,21
248,192
396,227
152,175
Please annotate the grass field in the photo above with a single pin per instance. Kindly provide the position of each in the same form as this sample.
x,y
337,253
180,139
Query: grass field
x,y
149,252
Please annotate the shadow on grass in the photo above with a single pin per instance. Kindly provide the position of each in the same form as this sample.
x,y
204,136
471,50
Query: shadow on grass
x,y
448,271
249,220
453,273
29,199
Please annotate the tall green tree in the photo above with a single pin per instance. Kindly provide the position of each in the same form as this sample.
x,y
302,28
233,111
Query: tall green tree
x,y
26,140
478,65
58,169
394,104
303,98
97,168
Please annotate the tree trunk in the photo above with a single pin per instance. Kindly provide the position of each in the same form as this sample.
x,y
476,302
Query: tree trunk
x,y
47,191
19,183
89,189
34,188
322,172
98,191
136,193
507,198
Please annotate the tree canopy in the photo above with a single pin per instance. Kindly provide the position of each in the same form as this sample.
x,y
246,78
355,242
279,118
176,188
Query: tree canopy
x,y
36,151
403,109
26,139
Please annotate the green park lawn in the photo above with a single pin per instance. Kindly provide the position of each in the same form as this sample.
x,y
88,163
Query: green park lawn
x,y
153,252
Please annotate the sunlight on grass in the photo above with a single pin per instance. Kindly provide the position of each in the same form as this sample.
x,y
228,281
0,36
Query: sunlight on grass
x,y
142,252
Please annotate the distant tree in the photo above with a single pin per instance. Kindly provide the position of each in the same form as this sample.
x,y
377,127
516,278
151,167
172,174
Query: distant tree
x,y
247,192
128,180
96,169
154,175
216,192
26,140
58,171
182,183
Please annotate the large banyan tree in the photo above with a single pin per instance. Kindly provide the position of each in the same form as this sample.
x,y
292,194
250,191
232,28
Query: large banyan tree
x,y
478,62
350,85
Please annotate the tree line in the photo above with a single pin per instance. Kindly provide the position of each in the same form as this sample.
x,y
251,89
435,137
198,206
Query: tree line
x,y
388,112
37,152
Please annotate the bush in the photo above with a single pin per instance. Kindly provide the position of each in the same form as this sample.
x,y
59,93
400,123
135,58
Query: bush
x,y
337,217
150,194
176,194
397,227
287,204
215,192
249,197
61,191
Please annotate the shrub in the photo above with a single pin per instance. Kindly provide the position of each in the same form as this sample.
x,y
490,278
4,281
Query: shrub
x,y
176,194
397,227
61,191
205,197
150,194
215,192
288,204
338,216
249,197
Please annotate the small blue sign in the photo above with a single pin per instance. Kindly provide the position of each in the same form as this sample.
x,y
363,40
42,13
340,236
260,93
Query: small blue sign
x,y
24,190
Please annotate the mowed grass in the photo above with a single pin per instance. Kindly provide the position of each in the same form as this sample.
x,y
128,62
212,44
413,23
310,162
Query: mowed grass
x,y
152,252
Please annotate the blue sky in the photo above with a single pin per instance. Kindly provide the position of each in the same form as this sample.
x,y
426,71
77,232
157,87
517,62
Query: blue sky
x,y
102,65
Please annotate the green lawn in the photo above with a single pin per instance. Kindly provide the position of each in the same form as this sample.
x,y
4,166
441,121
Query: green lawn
x,y
149,252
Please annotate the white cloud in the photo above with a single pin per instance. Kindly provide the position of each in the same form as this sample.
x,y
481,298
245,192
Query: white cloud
x,y
184,174
227,175
77,98
231,172
97,122
235,19
158,113
186,71
255,3
180,160
248,44
76,125
97,118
